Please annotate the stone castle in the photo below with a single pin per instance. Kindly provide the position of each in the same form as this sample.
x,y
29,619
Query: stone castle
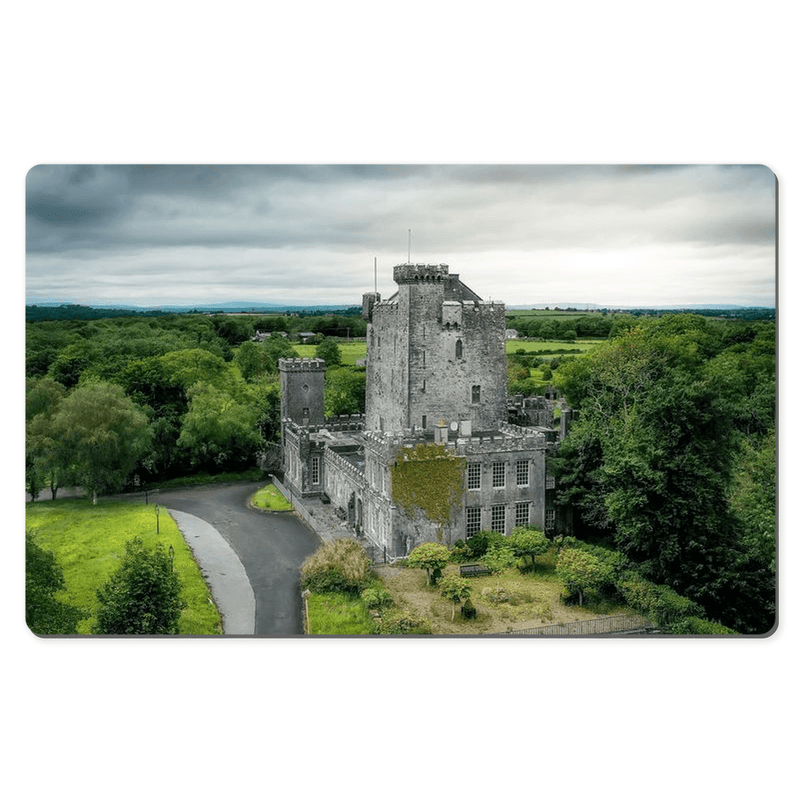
x,y
436,375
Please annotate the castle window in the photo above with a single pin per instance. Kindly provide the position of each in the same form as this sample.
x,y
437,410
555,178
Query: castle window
x,y
473,521
424,421
550,518
523,473
459,349
523,514
473,476
315,470
550,482
476,394
498,475
305,412
499,519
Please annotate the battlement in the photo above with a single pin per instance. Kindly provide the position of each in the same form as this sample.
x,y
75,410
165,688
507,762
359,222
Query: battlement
x,y
414,273
301,364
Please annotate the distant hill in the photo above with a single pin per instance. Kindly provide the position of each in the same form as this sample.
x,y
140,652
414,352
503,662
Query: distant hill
x,y
54,311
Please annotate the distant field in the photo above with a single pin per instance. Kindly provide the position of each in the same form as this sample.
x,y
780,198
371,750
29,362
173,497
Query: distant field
x,y
576,348
351,351
536,312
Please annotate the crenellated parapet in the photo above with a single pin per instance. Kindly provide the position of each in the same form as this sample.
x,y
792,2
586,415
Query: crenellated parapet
x,y
416,273
301,364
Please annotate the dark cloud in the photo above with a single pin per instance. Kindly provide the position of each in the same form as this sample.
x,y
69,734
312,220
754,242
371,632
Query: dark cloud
x,y
319,219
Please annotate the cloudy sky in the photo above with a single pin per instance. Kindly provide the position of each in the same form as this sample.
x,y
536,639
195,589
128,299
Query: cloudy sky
x,y
606,235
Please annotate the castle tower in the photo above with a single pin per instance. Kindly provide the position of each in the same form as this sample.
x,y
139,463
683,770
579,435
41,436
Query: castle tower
x,y
435,352
302,390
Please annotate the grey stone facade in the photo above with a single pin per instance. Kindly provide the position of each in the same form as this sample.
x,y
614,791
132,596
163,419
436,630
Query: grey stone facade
x,y
436,372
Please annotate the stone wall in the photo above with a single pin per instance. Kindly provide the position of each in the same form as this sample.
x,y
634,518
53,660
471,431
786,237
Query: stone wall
x,y
435,352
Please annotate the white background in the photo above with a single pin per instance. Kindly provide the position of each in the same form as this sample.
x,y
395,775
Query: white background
x,y
615,82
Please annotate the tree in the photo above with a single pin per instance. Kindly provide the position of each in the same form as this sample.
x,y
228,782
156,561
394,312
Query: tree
x,y
101,435
345,391
275,348
581,571
528,543
250,358
143,597
330,351
455,588
43,578
431,557
42,399
219,430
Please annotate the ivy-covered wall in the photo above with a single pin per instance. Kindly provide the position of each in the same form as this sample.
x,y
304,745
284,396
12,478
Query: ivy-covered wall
x,y
429,478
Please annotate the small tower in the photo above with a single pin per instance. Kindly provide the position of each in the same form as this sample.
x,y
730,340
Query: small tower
x,y
302,390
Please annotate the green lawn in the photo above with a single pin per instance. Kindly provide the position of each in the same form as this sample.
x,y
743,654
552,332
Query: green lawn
x,y
270,499
337,613
88,542
351,351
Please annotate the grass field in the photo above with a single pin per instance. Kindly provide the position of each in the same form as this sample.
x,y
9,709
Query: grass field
x,y
270,499
351,351
88,541
337,614
576,348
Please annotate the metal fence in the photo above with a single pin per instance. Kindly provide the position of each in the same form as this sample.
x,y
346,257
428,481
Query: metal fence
x,y
622,623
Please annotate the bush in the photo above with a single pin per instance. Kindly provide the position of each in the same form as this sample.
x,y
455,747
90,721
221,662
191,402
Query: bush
x,y
43,578
468,610
143,597
338,566
477,545
405,626
376,598
498,558
663,605
696,625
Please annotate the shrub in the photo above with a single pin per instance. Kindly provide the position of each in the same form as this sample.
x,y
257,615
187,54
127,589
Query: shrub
x,y
338,566
696,625
143,597
498,558
405,626
663,605
376,598
477,545
468,610
43,578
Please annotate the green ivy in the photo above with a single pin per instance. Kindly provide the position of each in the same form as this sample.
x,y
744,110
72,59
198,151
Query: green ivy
x,y
430,478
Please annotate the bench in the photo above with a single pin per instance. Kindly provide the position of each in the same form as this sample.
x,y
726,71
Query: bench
x,y
471,570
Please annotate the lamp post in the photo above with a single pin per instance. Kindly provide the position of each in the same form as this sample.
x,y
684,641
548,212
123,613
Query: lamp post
x,y
171,558
305,595
157,513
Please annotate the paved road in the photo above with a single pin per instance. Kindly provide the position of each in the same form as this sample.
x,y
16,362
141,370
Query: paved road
x,y
271,548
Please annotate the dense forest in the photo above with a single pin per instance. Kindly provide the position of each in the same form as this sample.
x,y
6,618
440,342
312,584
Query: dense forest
x,y
162,397
671,462
672,459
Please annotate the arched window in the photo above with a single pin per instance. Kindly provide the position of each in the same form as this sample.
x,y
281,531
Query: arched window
x,y
459,349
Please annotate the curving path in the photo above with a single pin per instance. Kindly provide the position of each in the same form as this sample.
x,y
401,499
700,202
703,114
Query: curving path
x,y
270,547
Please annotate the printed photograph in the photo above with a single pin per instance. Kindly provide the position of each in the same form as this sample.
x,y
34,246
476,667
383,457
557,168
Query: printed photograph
x,y
399,400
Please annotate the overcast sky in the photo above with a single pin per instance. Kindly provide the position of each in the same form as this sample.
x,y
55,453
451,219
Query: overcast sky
x,y
606,235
